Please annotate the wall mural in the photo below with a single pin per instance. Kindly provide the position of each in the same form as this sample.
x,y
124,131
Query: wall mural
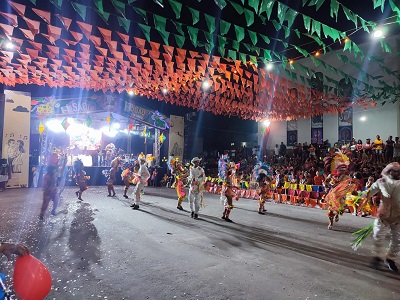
x,y
16,136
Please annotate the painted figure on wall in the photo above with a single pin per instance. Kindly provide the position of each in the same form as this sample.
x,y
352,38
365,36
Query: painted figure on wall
x,y
18,159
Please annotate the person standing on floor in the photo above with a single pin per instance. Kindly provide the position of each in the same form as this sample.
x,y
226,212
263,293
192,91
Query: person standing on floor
x,y
50,192
81,178
196,180
112,175
143,175
388,215
127,177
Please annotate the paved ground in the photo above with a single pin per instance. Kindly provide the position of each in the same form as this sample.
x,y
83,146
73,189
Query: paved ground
x,y
100,248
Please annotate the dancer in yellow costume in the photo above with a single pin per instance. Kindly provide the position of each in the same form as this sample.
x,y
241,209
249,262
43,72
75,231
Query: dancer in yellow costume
x,y
181,174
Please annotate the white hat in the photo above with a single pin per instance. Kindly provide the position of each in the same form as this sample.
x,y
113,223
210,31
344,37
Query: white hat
x,y
391,166
195,159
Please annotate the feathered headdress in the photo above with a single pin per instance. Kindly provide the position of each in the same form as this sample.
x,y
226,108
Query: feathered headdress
x,y
172,161
336,161
223,166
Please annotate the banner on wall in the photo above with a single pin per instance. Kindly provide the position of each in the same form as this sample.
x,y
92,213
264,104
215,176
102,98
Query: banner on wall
x,y
346,125
16,135
317,129
176,136
292,132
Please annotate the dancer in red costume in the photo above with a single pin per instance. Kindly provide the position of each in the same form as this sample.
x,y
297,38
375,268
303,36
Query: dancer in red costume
x,y
338,184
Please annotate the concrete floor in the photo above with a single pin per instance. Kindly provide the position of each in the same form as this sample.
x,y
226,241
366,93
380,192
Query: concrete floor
x,y
100,248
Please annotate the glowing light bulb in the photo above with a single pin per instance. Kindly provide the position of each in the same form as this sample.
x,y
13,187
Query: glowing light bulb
x,y
205,84
269,66
165,91
377,33
131,93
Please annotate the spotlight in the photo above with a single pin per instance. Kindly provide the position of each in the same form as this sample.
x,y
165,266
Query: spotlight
x,y
165,91
205,84
267,123
269,66
378,34
131,93
9,46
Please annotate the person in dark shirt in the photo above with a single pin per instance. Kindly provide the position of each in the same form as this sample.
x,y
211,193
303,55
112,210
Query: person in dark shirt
x,y
389,149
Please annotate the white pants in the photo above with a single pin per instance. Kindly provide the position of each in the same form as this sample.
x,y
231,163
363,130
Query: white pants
x,y
380,231
194,200
136,192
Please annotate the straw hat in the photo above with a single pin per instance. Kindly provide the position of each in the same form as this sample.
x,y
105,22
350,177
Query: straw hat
x,y
391,166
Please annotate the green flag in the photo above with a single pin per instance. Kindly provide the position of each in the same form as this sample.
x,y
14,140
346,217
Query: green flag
x,y
253,36
254,4
224,27
316,27
104,15
267,54
177,7
267,6
209,37
220,3
237,7
180,40
210,20
235,45
282,8
265,38
119,6
290,15
146,31
124,23
232,54
57,3
193,33
142,13
99,4
242,57
195,15
317,3
178,27
249,15
164,35
239,33
159,22
334,9
307,22
80,9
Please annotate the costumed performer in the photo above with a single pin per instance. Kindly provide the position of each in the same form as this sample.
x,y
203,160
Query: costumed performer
x,y
80,177
50,192
339,184
112,175
227,192
264,188
181,174
196,181
143,175
388,215
127,177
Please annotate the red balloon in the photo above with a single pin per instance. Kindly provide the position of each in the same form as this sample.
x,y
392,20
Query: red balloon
x,y
32,280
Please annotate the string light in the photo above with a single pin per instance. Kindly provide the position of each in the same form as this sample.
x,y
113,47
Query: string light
x,y
269,66
9,46
206,84
131,93
165,91
291,61
346,40
317,53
